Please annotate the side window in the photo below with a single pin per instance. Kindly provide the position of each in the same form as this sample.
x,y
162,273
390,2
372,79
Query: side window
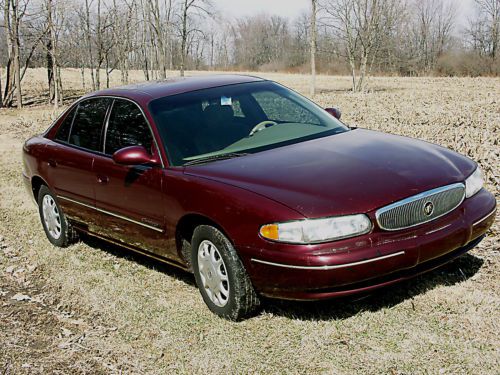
x,y
282,109
127,127
64,129
87,125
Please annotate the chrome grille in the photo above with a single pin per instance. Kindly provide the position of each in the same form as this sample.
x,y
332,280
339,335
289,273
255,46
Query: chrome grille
x,y
420,208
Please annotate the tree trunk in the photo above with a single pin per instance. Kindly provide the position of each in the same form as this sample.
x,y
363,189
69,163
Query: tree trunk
x,y
107,71
89,43
59,84
313,48
1,96
50,70
82,73
9,80
17,53
184,37
53,52
362,73
99,47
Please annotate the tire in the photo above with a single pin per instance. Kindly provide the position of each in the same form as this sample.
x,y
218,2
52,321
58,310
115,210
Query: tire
x,y
57,229
212,252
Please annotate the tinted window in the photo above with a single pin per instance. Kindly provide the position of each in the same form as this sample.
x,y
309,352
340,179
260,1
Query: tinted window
x,y
241,118
65,127
87,125
127,127
281,108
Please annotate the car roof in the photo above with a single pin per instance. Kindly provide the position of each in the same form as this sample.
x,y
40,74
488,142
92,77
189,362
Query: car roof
x,y
146,91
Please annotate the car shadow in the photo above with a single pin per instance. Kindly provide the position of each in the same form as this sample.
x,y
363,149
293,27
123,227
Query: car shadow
x,y
458,270
143,260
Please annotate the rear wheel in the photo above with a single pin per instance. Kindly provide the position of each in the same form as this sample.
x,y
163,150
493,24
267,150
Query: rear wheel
x,y
220,275
57,228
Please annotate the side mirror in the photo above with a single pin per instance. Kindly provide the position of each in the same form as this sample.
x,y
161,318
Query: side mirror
x,y
334,112
133,155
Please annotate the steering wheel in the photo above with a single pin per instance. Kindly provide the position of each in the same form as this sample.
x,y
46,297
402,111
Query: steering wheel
x,y
261,126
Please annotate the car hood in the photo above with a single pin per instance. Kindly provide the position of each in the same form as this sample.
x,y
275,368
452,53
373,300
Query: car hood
x,y
352,172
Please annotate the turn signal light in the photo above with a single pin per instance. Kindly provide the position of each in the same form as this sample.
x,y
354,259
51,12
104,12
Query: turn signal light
x,y
270,231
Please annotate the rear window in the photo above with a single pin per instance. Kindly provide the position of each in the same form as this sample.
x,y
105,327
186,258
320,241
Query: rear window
x,y
64,129
87,125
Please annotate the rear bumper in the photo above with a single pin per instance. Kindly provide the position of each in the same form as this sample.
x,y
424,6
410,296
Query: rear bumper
x,y
371,261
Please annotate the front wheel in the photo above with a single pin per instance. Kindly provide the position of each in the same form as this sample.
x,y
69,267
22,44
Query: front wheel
x,y
220,275
57,228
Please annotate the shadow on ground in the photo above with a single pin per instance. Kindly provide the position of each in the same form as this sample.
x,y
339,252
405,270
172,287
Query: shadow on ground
x,y
452,273
143,260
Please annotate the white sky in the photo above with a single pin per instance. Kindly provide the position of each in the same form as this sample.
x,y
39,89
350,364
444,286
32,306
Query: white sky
x,y
292,8
238,8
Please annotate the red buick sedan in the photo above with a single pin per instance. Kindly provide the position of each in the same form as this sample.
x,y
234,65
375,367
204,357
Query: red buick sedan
x,y
253,188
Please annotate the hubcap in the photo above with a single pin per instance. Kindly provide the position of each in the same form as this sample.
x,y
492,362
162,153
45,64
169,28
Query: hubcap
x,y
213,273
51,217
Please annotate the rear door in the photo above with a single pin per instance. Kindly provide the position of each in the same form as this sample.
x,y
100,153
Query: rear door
x,y
129,198
71,157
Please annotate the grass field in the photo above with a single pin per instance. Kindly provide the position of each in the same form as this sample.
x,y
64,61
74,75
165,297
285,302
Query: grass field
x,y
95,308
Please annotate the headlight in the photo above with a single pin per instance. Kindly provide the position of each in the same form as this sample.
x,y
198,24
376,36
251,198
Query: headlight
x,y
317,230
473,183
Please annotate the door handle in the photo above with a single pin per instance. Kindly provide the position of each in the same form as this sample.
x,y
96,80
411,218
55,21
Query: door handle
x,y
102,179
52,163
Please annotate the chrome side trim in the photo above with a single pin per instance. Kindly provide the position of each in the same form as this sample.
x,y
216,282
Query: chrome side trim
x,y
485,217
332,267
111,214
417,197
438,229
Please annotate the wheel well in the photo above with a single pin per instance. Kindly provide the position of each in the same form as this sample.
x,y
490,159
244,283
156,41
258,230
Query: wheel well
x,y
184,232
36,184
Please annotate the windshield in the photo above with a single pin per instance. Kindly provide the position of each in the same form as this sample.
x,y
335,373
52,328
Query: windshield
x,y
237,119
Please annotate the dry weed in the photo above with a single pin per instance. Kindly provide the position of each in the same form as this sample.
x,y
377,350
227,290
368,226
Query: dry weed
x,y
96,308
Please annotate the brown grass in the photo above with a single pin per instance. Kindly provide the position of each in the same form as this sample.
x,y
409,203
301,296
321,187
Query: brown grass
x,y
97,308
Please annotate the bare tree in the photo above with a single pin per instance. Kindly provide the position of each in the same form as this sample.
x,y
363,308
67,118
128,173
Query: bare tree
x,y
13,14
201,7
88,39
313,47
360,37
1,94
52,51
432,27
484,29
359,24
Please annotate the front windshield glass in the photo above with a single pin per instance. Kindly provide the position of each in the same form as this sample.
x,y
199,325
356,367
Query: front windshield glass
x,y
237,119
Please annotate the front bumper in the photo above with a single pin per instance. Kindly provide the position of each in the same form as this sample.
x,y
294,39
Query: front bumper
x,y
364,263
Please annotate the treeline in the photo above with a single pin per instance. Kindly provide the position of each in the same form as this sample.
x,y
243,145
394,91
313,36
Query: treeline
x,y
355,37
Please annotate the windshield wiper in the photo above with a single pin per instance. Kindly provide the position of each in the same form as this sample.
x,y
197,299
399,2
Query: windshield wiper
x,y
210,158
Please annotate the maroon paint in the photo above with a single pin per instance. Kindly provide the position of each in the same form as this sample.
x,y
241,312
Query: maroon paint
x,y
353,172
334,112
134,155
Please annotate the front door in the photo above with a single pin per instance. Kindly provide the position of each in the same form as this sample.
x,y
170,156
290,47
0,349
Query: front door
x,y
129,198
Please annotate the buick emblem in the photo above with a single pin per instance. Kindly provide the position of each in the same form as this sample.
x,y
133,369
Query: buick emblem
x,y
428,208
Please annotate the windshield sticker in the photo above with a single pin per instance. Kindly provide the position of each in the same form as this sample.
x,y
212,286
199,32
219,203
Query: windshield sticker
x,y
225,100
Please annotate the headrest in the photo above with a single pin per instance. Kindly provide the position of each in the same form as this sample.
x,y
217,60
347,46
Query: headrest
x,y
217,114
